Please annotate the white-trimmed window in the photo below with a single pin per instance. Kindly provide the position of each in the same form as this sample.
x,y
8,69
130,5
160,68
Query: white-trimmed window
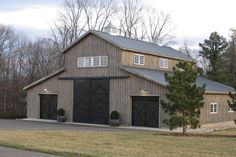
x,y
94,61
213,108
230,109
139,59
164,63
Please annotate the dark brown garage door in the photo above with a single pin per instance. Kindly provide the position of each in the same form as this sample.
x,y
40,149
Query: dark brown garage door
x,y
48,106
91,101
145,111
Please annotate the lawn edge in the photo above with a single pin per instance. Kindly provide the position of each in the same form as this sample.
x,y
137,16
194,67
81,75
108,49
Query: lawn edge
x,y
38,150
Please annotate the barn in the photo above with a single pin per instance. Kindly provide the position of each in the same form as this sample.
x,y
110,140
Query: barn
x,y
103,72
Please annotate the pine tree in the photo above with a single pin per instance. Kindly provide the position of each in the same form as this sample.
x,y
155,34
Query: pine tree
x,y
185,98
229,58
232,103
212,49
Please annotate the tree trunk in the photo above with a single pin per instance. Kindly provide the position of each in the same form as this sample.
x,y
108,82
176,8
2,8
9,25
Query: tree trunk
x,y
184,125
184,128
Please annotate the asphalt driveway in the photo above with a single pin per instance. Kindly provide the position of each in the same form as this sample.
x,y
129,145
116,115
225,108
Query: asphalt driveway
x,y
11,152
9,124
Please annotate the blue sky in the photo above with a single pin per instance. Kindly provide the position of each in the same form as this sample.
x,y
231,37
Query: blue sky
x,y
194,19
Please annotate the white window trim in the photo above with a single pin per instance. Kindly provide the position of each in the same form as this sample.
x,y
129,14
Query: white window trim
x,y
164,60
92,62
139,60
231,110
214,104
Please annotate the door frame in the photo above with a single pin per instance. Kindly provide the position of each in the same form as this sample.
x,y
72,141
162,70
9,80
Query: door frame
x,y
159,108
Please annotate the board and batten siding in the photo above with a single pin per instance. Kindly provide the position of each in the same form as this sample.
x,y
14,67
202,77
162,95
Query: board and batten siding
x,y
150,62
93,46
63,89
222,115
122,90
89,46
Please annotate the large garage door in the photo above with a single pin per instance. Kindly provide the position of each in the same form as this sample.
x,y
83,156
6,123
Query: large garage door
x,y
91,101
48,106
145,111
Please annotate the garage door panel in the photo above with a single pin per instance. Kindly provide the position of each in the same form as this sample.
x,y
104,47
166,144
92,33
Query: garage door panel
x,y
48,107
92,104
138,115
82,116
145,111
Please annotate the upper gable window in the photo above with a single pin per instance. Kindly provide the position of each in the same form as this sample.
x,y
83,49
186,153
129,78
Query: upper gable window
x,y
94,61
164,63
139,59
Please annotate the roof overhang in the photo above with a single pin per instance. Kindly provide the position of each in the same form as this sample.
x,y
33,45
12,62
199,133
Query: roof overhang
x,y
164,83
44,79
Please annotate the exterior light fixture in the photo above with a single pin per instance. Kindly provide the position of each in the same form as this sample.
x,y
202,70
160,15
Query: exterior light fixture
x,y
143,92
45,89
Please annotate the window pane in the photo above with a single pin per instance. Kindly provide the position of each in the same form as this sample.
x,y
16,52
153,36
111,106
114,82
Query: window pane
x,y
141,59
96,61
211,108
166,63
230,109
87,61
80,62
136,59
161,63
214,108
104,61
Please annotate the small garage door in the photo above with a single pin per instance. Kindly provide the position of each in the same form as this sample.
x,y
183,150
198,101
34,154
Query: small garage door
x,y
48,106
145,111
91,101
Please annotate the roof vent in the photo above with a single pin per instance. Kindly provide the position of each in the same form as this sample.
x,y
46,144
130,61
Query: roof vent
x,y
111,29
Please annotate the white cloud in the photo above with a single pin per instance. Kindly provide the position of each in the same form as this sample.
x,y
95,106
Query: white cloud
x,y
37,17
198,17
194,19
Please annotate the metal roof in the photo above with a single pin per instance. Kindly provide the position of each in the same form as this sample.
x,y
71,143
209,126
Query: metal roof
x,y
136,46
142,46
159,77
44,79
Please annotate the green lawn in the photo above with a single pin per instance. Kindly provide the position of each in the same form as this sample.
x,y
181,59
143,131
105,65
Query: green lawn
x,y
115,144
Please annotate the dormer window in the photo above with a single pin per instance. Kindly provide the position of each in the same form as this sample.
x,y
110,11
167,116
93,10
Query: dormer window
x,y
164,63
139,59
94,61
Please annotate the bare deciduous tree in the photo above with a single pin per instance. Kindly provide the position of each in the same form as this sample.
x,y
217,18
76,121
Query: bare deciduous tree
x,y
130,17
97,12
68,26
78,16
157,27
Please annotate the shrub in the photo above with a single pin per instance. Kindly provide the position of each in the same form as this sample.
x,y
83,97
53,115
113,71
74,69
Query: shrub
x,y
61,112
114,115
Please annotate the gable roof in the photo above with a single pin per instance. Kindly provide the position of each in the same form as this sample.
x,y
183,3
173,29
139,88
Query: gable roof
x,y
44,79
136,46
159,77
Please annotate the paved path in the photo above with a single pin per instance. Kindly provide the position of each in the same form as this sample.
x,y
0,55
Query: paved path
x,y
9,124
11,152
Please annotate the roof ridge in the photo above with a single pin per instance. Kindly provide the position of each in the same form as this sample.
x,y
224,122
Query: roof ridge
x,y
132,39
147,42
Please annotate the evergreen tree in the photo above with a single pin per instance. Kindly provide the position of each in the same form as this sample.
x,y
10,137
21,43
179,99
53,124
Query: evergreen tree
x,y
185,98
232,103
212,49
229,64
